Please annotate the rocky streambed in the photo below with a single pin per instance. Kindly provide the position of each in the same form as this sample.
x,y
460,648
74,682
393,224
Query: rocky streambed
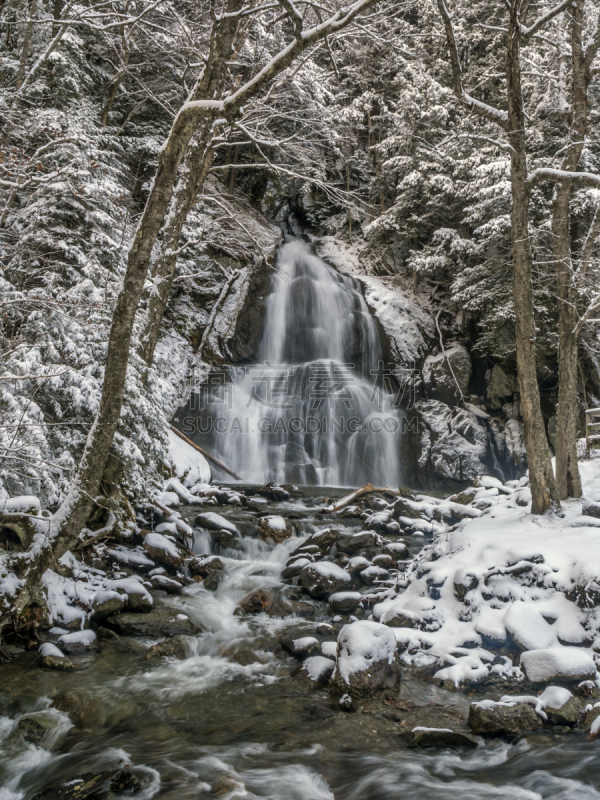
x,y
229,649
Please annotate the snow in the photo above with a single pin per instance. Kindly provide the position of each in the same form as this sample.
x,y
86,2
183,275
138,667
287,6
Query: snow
x,y
275,522
340,596
528,628
329,570
362,644
25,504
84,638
559,662
160,542
329,649
317,666
216,522
49,649
189,465
517,575
303,643
552,697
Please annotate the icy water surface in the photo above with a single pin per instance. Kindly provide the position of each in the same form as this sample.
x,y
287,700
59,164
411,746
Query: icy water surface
x,y
235,708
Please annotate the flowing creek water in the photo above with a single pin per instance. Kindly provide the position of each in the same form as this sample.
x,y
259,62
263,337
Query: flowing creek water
x,y
234,706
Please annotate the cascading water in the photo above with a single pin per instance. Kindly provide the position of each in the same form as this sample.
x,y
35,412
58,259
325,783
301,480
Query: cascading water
x,y
315,408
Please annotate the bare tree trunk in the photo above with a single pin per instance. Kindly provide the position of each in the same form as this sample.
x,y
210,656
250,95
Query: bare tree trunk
x,y
195,169
541,475
75,509
567,470
26,43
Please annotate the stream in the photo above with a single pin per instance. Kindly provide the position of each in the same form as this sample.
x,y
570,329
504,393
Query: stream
x,y
236,707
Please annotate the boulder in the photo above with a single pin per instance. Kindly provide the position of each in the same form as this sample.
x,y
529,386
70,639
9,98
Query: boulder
x,y
106,603
351,543
323,579
591,509
215,522
84,710
163,550
590,722
34,727
317,671
166,584
256,601
440,737
528,628
275,528
301,648
443,372
212,581
558,663
367,660
174,647
294,568
345,602
205,565
324,539
52,658
156,624
560,706
489,718
374,574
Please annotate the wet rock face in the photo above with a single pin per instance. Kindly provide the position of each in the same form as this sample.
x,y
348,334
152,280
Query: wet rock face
x,y
497,719
443,372
205,565
567,714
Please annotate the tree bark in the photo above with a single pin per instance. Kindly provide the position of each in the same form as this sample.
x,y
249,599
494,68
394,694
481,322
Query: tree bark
x,y
541,475
26,43
568,479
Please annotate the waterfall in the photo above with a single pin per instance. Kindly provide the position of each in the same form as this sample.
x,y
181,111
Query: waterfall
x,y
316,408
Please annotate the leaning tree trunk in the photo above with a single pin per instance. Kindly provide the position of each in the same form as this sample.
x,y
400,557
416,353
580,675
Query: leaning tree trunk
x,y
541,475
195,169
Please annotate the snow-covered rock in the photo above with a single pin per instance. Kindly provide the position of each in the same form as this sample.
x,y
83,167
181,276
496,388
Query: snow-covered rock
x,y
367,659
558,663
323,579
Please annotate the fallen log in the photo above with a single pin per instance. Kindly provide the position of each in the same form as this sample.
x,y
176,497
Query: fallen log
x,y
205,454
368,488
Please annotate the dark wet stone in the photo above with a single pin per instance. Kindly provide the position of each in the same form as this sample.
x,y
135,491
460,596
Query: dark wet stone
x,y
155,624
257,601
300,647
34,727
567,714
351,543
174,647
83,709
54,662
106,604
440,737
212,581
139,603
324,539
205,565
89,786
323,579
503,720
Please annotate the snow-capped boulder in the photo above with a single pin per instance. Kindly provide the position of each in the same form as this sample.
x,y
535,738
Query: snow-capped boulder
x,y
275,528
163,550
558,663
367,659
323,579
505,718
317,670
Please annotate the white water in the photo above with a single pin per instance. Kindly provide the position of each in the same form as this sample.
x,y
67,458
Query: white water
x,y
314,409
